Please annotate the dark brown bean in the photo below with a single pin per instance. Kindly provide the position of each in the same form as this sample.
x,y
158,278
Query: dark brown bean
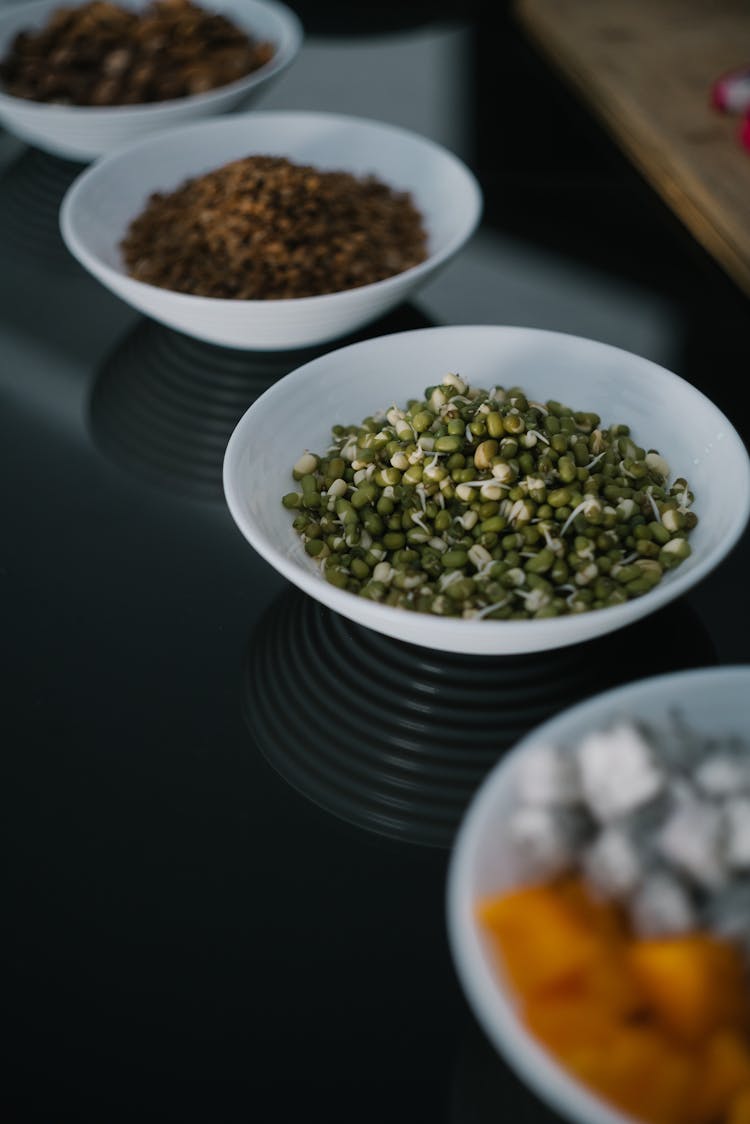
x,y
171,49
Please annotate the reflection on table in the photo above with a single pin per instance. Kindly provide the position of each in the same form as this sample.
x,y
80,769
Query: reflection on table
x,y
31,191
396,738
163,405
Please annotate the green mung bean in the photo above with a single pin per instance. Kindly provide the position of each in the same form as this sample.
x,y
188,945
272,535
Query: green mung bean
x,y
468,502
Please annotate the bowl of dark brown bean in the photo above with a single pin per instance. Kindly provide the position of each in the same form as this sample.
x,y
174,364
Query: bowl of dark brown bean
x,y
82,80
271,230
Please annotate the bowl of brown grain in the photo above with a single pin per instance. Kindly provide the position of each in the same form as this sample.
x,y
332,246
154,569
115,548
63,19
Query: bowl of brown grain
x,y
80,80
271,230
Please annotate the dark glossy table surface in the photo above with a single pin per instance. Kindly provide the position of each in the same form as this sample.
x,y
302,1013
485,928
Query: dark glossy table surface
x,y
226,812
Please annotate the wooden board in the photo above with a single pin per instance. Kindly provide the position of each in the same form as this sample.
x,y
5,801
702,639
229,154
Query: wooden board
x,y
646,68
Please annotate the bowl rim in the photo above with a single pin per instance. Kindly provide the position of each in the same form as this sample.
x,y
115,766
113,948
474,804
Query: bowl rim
x,y
291,38
460,630
474,208
488,1000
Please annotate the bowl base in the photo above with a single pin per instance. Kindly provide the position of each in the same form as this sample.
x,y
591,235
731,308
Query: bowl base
x,y
395,738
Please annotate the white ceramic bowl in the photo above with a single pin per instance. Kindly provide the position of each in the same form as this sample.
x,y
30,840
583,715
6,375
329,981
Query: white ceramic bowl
x,y
86,132
711,700
102,201
349,383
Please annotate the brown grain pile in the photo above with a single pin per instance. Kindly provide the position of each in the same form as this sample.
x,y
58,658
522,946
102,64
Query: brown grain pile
x,y
265,228
102,54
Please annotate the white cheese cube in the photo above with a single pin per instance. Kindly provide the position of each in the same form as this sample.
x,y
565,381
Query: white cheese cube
x,y
661,906
546,840
691,840
724,774
736,823
547,774
611,864
618,772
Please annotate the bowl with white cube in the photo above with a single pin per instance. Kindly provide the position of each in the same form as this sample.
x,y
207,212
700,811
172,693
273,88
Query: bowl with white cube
x,y
598,903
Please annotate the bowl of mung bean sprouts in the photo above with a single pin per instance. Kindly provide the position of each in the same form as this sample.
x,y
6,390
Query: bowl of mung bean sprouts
x,y
487,489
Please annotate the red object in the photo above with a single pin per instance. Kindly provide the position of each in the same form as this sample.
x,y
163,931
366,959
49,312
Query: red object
x,y
731,92
745,132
